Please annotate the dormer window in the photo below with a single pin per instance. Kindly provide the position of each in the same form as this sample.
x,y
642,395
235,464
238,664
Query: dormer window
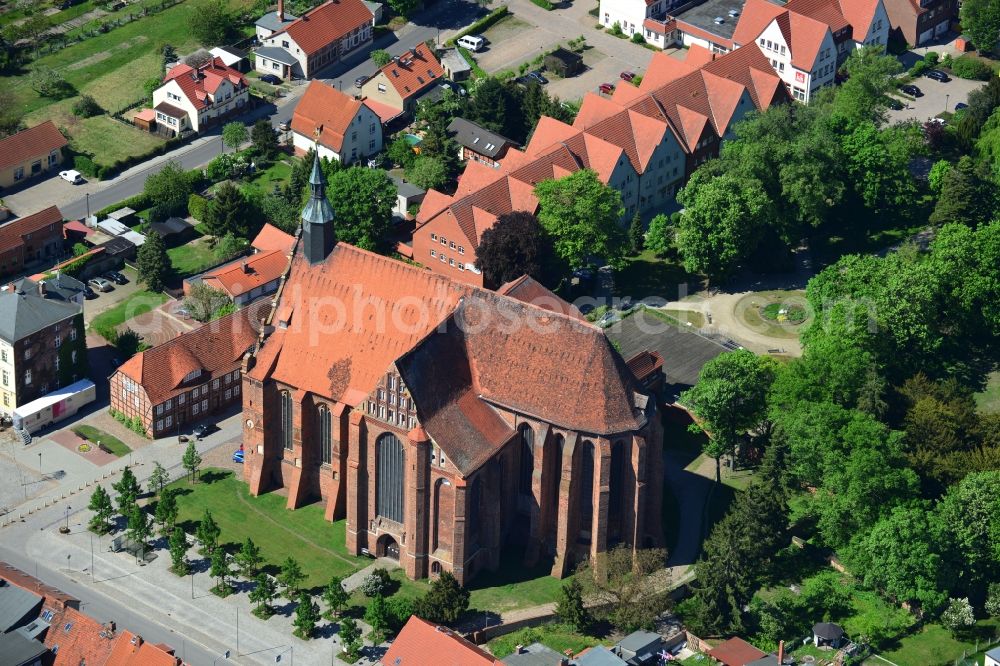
x,y
194,374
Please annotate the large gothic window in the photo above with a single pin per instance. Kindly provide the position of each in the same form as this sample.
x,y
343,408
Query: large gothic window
x,y
286,420
527,459
586,486
389,477
472,520
323,428
616,480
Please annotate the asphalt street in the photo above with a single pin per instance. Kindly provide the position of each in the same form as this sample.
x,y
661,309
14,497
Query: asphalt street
x,y
438,22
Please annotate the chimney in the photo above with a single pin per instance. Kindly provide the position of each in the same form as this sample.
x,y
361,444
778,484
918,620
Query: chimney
x,y
281,11
41,289
781,653
246,268
519,649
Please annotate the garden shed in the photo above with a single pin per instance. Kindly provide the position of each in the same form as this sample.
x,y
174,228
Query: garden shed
x,y
563,62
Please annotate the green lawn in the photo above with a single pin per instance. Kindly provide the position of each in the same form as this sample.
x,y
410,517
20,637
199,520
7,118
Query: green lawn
x,y
513,585
649,275
304,534
559,637
138,303
988,399
933,645
110,442
192,258
278,173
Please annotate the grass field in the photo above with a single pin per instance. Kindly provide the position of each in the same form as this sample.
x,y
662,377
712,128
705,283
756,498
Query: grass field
x,y
559,637
649,275
513,585
304,534
138,303
934,645
278,173
988,399
192,258
110,442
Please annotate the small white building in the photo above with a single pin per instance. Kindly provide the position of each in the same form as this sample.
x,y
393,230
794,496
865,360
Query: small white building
x,y
191,99
992,657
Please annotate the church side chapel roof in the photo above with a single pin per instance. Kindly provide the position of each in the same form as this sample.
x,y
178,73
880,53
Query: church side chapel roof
x,y
462,351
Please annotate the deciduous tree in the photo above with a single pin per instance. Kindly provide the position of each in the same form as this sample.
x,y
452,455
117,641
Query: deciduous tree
x,y
958,616
263,594
514,246
306,616
378,618
362,200
220,568
178,552
582,216
335,597
191,460
291,577
166,511
249,559
630,583
427,172
203,301
100,504
981,21
445,602
208,533
128,490
380,57
158,478
350,636
234,135
212,24
139,530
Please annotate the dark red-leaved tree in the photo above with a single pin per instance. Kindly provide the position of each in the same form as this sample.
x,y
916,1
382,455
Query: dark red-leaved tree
x,y
514,246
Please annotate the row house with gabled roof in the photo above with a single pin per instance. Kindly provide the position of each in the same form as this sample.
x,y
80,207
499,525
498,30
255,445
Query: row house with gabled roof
x,y
644,141
192,98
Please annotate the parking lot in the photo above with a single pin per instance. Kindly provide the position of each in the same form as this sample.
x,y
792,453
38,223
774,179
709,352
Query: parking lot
x,y
938,97
531,31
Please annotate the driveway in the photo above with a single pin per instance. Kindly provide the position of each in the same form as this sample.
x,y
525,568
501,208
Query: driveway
x,y
109,299
938,97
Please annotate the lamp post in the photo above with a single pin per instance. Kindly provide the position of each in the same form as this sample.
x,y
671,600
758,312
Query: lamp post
x,y
68,507
946,97
88,207
291,655
39,463
92,574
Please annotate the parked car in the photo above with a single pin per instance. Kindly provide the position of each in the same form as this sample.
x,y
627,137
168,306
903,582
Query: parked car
x,y
238,456
100,284
471,42
607,88
960,106
537,76
360,81
88,293
71,176
285,125
937,75
627,75
271,78
116,277
912,90
894,104
201,430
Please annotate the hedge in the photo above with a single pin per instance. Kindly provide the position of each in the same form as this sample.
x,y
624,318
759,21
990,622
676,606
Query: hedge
x,y
85,165
138,202
480,25
967,67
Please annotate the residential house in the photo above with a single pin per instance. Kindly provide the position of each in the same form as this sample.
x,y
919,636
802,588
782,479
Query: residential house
x,y
31,240
639,647
187,378
807,40
992,657
273,22
321,37
644,142
404,79
30,153
42,342
599,656
918,22
232,57
339,126
195,98
736,652
478,143
420,638
345,399
706,23
246,279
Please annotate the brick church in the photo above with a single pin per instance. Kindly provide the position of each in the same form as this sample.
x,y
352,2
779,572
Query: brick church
x,y
442,420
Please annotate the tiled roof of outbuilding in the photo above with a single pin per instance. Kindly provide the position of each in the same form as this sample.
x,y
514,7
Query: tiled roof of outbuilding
x,y
32,142
419,638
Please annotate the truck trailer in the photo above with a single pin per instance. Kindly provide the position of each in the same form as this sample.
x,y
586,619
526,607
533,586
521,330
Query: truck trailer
x,y
55,406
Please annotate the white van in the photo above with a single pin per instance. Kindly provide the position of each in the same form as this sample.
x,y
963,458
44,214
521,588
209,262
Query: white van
x,y
471,42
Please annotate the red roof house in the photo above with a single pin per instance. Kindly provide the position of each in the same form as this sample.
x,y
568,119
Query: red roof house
x,y
30,240
736,652
194,98
404,79
31,152
419,639
345,128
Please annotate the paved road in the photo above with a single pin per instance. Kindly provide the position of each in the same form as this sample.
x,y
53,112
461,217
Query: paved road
x,y
442,20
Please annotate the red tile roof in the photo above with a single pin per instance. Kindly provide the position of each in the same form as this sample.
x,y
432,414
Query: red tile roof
x,y
214,348
327,109
131,650
12,233
419,639
244,275
327,23
76,639
736,652
35,141
529,290
273,238
802,33
414,71
53,597
390,313
197,84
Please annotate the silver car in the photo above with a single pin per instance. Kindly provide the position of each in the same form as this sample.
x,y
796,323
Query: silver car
x,y
100,284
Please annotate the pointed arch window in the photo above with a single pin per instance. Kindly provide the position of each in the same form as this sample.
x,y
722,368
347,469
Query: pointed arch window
x,y
323,427
389,477
586,486
286,420
527,459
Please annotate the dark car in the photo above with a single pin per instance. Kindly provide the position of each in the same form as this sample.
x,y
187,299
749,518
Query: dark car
x,y
88,293
894,104
912,90
201,430
627,75
960,106
536,76
116,277
937,75
360,81
271,78
606,88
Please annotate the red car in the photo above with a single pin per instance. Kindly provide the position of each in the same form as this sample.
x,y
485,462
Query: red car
x,y
607,88
627,75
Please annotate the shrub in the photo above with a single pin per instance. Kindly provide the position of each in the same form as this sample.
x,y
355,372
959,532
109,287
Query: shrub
x,y
86,106
919,67
376,583
197,205
637,38
85,165
616,29
138,202
932,58
968,67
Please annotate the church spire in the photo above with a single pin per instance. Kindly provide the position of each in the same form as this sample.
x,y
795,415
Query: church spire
x,y
318,234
